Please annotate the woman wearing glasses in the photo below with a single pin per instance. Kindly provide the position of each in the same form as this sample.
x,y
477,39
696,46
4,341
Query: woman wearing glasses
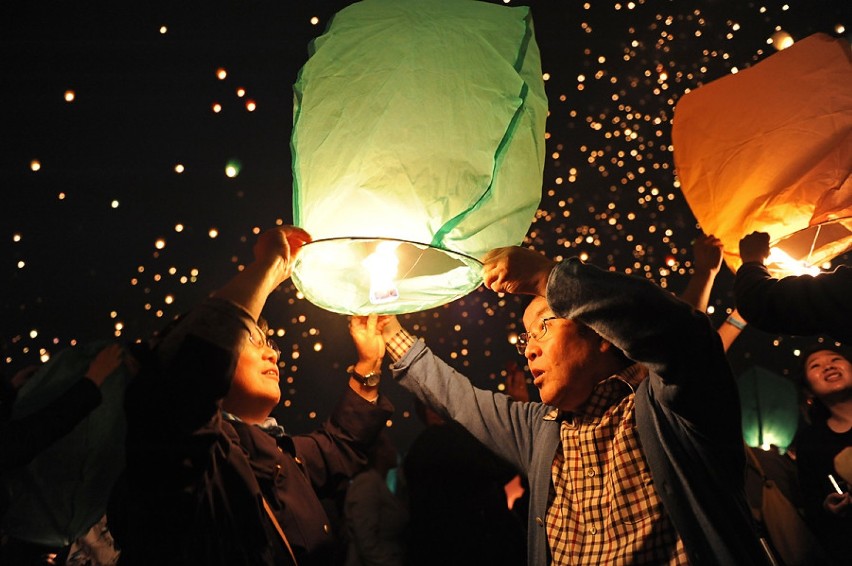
x,y
210,477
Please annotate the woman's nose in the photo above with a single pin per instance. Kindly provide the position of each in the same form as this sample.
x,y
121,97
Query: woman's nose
x,y
271,353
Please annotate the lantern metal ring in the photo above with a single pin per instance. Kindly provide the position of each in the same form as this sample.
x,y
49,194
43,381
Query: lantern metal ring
x,y
364,275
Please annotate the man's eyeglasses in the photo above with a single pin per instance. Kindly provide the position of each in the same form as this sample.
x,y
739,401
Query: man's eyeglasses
x,y
524,337
259,339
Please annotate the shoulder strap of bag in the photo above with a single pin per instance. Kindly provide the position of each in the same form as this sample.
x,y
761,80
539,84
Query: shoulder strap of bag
x,y
770,551
279,529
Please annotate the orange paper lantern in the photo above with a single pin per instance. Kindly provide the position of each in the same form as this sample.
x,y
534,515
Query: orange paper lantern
x,y
770,149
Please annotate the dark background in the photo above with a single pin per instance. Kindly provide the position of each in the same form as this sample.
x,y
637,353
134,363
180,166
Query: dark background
x,y
79,255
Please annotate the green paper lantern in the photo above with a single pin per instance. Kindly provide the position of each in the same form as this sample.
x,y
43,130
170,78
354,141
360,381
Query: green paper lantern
x,y
58,496
770,410
418,145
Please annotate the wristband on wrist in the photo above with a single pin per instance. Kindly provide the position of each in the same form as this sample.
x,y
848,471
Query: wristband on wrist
x,y
735,322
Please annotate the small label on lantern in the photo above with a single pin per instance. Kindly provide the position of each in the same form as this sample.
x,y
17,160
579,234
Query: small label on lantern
x,y
379,296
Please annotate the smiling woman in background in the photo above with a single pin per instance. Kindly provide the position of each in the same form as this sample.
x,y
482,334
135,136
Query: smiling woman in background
x,y
825,447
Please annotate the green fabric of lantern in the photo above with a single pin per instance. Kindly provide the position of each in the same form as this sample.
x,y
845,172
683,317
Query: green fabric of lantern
x,y
769,408
64,491
421,123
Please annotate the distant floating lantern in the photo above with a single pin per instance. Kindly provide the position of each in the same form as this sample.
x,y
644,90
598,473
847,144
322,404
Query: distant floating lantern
x,y
782,40
418,145
232,168
770,149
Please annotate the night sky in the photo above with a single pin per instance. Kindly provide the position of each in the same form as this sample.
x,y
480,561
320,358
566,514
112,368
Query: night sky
x,y
118,124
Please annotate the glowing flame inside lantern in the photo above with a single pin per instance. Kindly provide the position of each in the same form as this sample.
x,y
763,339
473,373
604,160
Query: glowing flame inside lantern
x,y
382,266
782,264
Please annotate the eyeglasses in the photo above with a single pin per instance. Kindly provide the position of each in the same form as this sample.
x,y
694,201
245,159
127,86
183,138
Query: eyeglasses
x,y
259,339
524,337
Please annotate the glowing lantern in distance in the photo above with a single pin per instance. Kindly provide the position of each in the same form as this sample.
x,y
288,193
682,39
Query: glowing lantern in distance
x,y
232,168
418,123
769,408
781,40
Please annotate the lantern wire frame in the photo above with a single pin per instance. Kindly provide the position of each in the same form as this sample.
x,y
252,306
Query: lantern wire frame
x,y
805,250
331,273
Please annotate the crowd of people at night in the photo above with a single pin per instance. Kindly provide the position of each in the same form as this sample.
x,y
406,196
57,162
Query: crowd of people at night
x,y
634,453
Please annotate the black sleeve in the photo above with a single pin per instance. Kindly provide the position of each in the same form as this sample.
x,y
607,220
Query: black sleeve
x,y
338,450
802,305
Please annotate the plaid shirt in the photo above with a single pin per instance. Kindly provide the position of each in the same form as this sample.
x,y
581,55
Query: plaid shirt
x,y
602,506
398,344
